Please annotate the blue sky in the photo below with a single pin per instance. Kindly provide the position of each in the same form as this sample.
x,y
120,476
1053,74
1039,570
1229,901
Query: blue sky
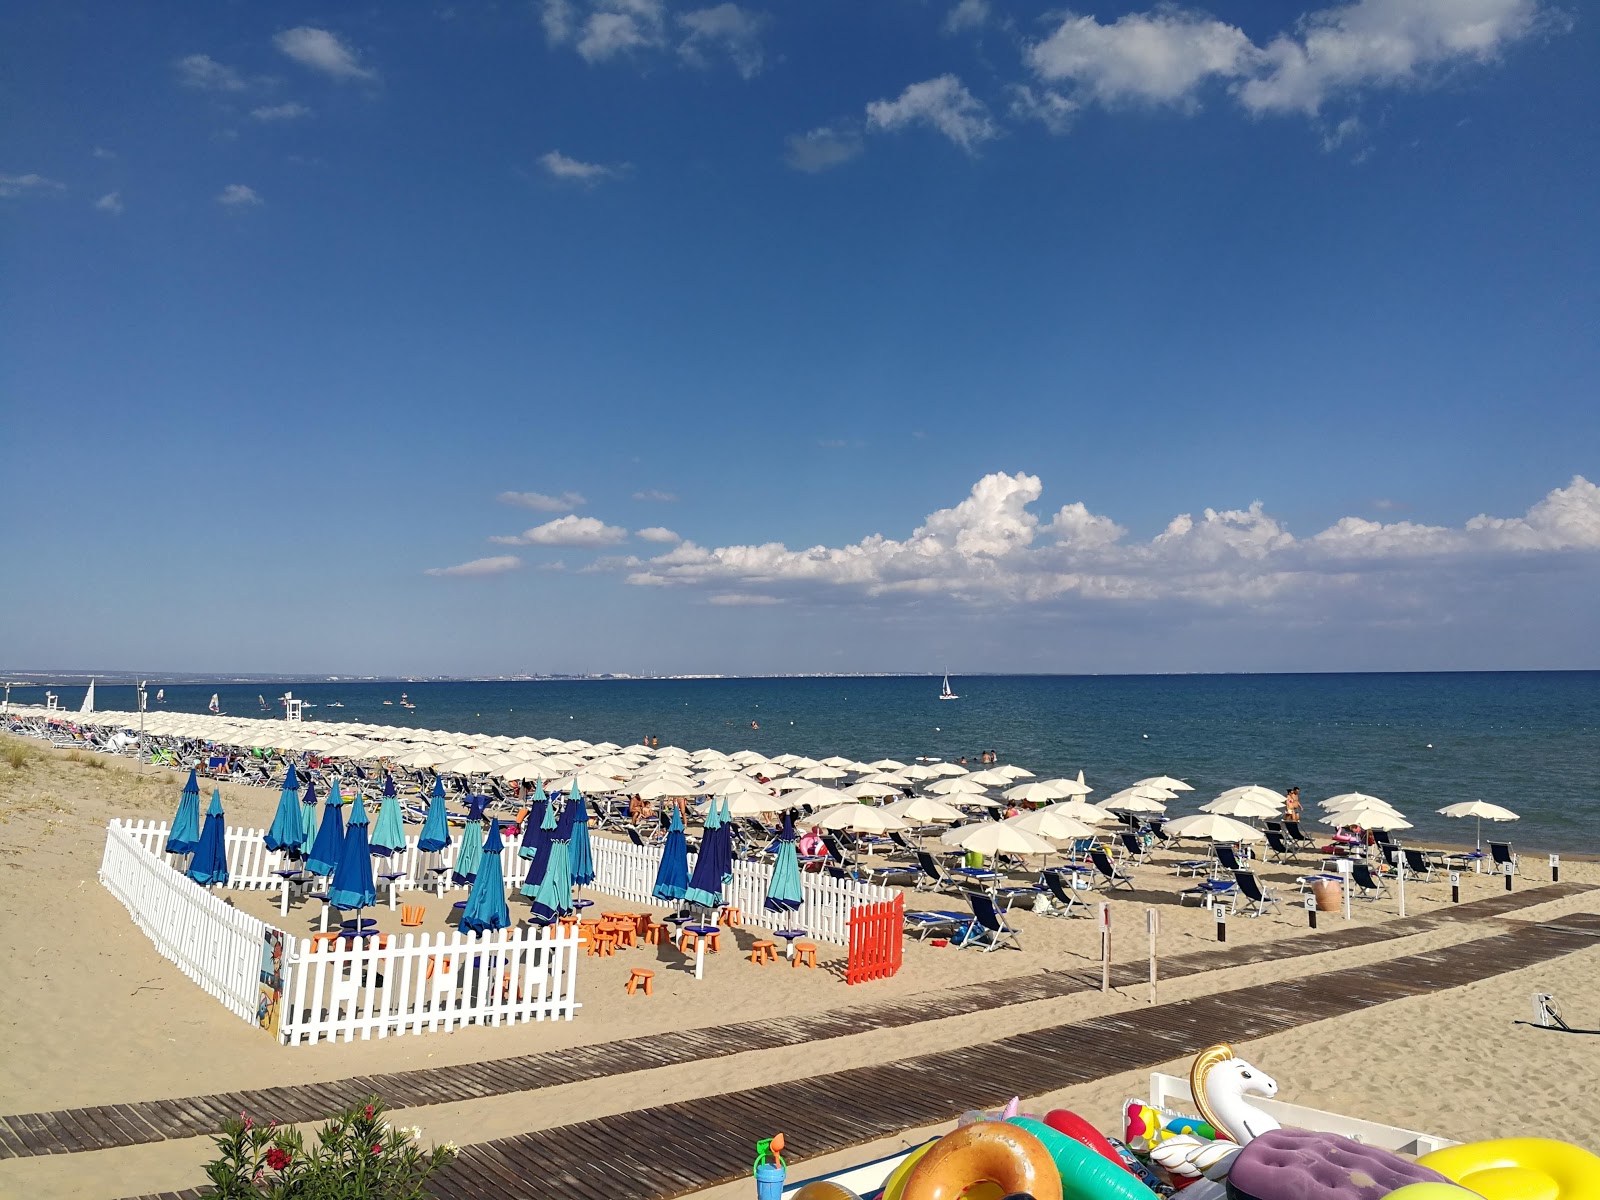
x,y
551,336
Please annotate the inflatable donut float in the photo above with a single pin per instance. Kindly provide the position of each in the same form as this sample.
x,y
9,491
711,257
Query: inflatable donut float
x,y
1520,1169
997,1152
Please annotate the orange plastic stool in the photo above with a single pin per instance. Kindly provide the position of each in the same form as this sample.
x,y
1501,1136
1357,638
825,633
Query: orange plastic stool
x,y
730,916
654,934
639,975
411,915
625,934
805,952
431,961
691,940
567,922
602,942
762,953
328,938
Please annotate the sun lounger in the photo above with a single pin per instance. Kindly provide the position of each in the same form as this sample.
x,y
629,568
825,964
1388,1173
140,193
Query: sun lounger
x,y
1208,891
988,931
934,924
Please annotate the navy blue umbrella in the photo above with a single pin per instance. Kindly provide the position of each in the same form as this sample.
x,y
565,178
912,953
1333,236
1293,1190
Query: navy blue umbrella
x,y
352,879
486,904
288,830
544,839
672,876
705,884
435,828
185,833
324,856
210,862
531,828
553,896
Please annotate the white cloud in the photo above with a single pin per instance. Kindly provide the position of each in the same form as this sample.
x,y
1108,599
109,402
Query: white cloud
x,y
111,203
238,195
101,152
539,502
567,531
498,565
942,102
206,73
557,565
12,186
559,20
967,14
993,548
1047,106
322,51
291,111
559,166
725,29
1169,55
617,27
742,598
822,148
656,496
656,533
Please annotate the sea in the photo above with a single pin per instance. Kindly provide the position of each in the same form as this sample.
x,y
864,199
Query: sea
x,y
1529,741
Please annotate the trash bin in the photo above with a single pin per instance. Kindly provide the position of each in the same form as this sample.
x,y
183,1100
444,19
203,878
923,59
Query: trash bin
x,y
1329,894
974,859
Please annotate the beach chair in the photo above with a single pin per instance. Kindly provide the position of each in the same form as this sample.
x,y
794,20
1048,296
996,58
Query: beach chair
x,y
1281,850
1158,830
1501,855
1110,877
942,923
1061,892
1208,891
1417,865
1257,897
1296,837
902,844
988,931
1369,881
1228,857
1386,843
933,877
1133,848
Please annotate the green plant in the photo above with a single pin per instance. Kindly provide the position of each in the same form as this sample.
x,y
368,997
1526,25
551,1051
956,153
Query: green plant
x,y
358,1156
16,755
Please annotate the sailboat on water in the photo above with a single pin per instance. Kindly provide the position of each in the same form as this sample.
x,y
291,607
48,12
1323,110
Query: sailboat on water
x,y
945,693
214,706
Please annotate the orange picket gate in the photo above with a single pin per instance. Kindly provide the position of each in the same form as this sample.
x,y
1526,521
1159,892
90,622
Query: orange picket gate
x,y
875,937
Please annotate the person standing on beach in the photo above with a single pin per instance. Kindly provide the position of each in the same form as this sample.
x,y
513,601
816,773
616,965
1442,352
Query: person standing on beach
x,y
1291,808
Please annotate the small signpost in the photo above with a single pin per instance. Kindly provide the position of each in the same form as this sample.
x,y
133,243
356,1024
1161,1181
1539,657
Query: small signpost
x,y
1222,921
1455,887
1555,868
1345,866
1152,924
1508,868
1400,879
1311,910
1105,946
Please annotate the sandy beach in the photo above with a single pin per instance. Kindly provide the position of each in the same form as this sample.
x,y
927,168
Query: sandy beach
x,y
95,1016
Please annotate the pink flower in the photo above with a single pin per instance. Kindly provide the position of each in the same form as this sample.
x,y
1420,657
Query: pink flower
x,y
377,1147
369,1112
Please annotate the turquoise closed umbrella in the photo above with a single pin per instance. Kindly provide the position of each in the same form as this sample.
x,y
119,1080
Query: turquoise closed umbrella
x,y
435,834
486,904
389,834
784,893
582,854
672,876
352,885
185,833
308,818
470,855
210,862
553,897
324,856
543,838
288,830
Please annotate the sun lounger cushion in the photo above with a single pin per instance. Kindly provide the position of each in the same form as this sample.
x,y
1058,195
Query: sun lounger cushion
x,y
1296,1164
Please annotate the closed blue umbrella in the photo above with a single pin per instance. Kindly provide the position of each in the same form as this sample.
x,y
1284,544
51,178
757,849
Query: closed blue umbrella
x,y
324,856
469,855
553,897
185,833
486,905
435,829
672,876
288,829
783,889
352,878
582,854
544,839
533,827
705,884
389,834
210,862
308,818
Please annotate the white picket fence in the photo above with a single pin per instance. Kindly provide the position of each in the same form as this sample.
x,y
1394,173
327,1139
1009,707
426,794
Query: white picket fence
x,y
215,945
628,872
426,983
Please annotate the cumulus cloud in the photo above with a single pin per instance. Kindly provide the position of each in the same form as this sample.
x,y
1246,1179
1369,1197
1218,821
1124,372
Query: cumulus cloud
x,y
657,533
993,547
498,565
742,598
558,166
943,103
1168,56
725,31
539,502
656,496
239,195
567,531
205,73
822,148
111,203
291,111
967,14
12,186
322,51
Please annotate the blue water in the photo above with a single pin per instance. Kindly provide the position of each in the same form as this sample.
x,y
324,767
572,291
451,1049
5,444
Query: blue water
x,y
1529,741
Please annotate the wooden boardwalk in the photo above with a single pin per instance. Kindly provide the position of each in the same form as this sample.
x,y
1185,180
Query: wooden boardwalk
x,y
101,1127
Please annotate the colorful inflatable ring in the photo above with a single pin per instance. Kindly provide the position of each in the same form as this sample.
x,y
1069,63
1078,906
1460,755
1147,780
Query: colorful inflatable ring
x,y
825,1189
997,1151
1520,1169
1084,1175
894,1188
1075,1127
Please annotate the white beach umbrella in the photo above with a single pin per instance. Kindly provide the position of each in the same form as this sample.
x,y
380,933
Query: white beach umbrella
x,y
1367,817
589,783
996,837
1137,799
1210,827
924,809
990,778
1481,811
960,786
1034,793
1351,800
867,791
1241,806
1254,790
835,761
822,771
1165,782
818,797
796,762
660,789
1069,787
791,784
895,779
918,771
1082,810
862,818
1012,771
949,770
887,764
748,804
1052,823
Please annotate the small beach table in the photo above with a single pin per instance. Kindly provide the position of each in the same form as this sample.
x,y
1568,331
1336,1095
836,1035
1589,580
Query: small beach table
x,y
789,936
292,878
392,878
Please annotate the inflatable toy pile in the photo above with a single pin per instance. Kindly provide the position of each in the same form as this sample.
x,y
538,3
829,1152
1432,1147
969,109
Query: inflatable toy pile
x,y
1231,1151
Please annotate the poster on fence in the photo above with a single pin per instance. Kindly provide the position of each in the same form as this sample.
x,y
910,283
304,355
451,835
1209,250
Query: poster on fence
x,y
271,980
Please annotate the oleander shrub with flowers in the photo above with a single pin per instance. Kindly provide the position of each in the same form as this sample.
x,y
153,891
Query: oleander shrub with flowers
x,y
358,1155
